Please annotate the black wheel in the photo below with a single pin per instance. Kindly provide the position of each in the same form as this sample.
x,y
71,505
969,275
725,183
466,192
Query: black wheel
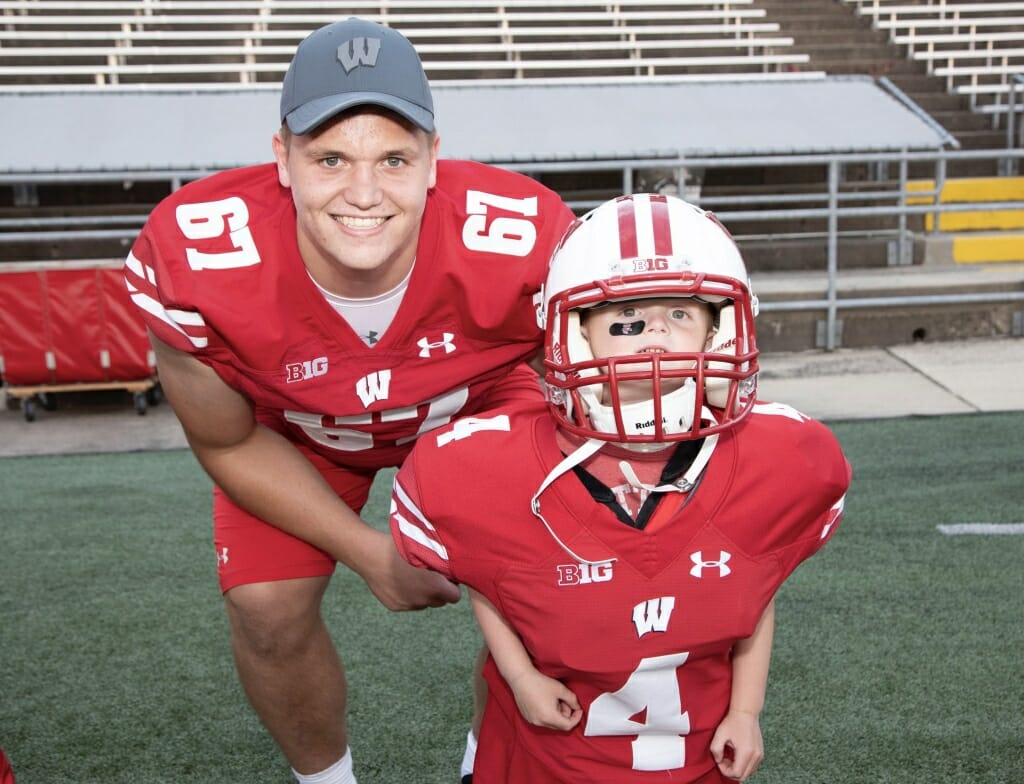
x,y
139,398
28,408
154,395
48,401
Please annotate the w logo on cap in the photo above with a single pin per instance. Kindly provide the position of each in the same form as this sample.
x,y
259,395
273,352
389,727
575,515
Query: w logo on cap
x,y
358,51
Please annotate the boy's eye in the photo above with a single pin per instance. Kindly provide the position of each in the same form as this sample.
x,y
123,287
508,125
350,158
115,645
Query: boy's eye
x,y
628,312
679,313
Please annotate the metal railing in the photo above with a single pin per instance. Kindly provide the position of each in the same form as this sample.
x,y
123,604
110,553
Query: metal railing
x,y
884,197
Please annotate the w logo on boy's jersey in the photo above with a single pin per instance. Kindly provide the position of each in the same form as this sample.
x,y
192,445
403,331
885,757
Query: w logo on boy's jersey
x,y
653,615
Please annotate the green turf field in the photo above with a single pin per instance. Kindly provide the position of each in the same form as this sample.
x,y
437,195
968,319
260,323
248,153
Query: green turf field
x,y
899,653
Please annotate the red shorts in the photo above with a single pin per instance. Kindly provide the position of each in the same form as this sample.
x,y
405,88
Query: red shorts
x,y
252,551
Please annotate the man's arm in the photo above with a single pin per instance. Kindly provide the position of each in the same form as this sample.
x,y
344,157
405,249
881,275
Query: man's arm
x,y
737,745
265,474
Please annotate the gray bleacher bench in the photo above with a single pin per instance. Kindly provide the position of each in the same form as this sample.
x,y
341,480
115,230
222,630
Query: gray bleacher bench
x,y
128,35
638,66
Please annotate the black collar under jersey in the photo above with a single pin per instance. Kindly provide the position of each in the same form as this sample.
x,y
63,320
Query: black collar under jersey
x,y
682,458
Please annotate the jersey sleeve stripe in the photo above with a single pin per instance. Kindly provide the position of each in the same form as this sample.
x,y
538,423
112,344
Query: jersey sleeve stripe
x,y
413,524
141,270
834,515
418,535
141,282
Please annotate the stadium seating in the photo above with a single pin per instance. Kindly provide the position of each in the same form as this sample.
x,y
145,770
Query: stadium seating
x,y
974,46
246,41
210,45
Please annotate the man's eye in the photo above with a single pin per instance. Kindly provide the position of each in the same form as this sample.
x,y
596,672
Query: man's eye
x,y
331,161
393,162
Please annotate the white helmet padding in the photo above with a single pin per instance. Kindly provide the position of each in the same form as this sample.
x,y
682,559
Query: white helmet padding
x,y
645,246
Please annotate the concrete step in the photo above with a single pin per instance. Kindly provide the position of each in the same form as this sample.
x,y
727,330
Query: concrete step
x,y
956,120
981,139
939,102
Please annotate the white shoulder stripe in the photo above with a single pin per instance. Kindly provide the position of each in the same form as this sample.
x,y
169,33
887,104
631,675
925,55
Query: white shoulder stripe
x,y
418,535
172,318
189,318
140,269
407,502
156,309
418,529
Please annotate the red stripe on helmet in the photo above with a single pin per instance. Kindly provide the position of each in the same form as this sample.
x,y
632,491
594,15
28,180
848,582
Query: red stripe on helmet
x,y
662,225
627,230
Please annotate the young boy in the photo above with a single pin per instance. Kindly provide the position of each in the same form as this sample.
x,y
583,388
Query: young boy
x,y
623,549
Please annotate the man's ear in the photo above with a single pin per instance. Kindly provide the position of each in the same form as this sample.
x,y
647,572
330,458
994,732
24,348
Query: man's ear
x,y
280,147
435,150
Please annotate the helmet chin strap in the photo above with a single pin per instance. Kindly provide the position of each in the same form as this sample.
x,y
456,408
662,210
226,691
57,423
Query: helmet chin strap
x,y
587,449
683,484
638,418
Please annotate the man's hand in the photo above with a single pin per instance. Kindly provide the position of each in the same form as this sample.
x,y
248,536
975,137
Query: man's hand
x,y
399,586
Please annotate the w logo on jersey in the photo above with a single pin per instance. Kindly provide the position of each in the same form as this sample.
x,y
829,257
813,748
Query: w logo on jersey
x,y
374,387
653,615
358,51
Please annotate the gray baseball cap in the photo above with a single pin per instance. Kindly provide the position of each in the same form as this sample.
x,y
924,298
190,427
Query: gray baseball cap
x,y
352,63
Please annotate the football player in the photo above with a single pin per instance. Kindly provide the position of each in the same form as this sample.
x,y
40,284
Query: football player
x,y
312,318
624,547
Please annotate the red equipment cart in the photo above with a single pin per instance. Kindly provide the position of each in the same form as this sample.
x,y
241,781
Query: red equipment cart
x,y
69,326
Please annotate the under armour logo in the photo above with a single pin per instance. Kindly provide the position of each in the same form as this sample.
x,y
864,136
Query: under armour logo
x,y
446,343
222,557
699,564
358,51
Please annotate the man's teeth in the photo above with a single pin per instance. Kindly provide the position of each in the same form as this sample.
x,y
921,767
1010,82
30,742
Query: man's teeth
x,y
359,223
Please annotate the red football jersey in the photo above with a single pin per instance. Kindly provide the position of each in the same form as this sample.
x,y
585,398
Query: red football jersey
x,y
217,273
640,626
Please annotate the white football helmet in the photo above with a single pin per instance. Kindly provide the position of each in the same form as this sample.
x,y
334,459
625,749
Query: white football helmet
x,y
645,246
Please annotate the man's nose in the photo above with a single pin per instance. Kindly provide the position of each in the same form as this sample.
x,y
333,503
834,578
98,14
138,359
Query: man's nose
x,y
363,189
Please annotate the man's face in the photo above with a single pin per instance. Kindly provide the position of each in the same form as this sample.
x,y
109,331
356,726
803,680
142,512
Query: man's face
x,y
360,186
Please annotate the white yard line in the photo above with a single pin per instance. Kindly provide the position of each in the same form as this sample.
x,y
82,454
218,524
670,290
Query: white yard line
x,y
961,529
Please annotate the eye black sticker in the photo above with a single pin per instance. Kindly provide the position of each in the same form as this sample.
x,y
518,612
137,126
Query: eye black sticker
x,y
629,328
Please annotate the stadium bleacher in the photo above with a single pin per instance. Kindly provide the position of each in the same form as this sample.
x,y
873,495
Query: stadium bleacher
x,y
953,60
246,41
974,46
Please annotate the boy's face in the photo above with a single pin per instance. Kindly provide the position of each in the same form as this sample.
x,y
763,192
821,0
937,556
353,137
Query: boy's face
x,y
648,326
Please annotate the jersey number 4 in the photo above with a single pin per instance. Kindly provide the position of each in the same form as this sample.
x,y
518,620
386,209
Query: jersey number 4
x,y
647,706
